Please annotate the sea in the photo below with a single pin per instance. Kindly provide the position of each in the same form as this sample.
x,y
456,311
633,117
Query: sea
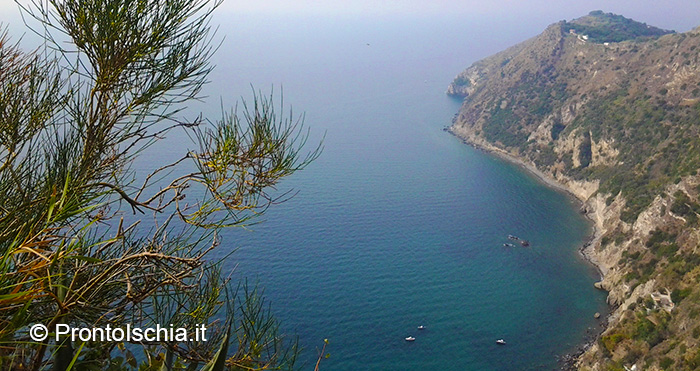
x,y
398,224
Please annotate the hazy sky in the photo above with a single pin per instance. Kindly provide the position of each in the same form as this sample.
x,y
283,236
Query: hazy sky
x,y
480,7
681,15
677,14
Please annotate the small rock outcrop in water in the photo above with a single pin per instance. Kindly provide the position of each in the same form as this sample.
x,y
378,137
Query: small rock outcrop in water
x,y
609,107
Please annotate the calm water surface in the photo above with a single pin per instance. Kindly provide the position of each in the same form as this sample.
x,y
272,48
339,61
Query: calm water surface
x,y
398,224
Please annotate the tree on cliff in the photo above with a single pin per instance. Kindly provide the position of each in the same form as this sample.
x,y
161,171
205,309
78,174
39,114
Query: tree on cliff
x,y
112,80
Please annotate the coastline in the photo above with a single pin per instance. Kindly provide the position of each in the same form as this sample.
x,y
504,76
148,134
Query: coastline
x,y
567,361
586,250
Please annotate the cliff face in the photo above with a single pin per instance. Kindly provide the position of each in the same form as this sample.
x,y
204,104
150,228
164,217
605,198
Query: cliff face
x,y
618,124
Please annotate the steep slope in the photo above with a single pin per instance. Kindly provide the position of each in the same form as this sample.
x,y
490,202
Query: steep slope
x,y
618,124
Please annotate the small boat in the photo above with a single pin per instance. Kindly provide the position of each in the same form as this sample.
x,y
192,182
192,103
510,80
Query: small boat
x,y
525,243
410,338
508,245
514,238
421,327
501,342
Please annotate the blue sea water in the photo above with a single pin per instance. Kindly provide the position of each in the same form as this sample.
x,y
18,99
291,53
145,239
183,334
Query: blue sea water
x,y
399,224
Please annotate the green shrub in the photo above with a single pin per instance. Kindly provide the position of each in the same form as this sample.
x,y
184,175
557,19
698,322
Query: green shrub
x,y
666,362
677,295
611,341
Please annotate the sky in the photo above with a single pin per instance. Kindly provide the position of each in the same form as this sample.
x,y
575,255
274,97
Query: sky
x,y
667,13
680,15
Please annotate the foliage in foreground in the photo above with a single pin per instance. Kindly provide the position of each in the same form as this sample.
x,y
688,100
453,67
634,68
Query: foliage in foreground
x,y
74,245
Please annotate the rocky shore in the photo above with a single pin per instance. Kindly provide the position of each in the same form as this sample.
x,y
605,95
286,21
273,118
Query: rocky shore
x,y
569,361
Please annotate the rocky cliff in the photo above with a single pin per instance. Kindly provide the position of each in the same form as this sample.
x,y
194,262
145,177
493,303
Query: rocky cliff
x,y
610,109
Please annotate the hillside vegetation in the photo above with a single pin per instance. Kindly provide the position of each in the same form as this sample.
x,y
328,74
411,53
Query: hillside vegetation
x,y
610,108
607,27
